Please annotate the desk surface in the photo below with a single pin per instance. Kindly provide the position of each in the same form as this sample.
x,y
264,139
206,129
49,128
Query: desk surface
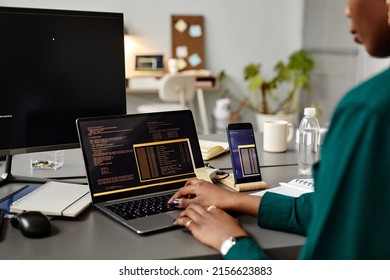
x,y
94,236
150,84
290,157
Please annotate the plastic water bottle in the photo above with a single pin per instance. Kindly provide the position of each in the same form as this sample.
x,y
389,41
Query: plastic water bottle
x,y
308,140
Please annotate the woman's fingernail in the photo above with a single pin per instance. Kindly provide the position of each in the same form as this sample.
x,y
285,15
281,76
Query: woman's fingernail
x,y
175,202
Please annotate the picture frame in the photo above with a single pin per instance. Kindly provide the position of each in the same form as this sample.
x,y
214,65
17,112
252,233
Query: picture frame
x,y
149,62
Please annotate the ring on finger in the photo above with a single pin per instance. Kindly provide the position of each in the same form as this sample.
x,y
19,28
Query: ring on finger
x,y
188,223
211,207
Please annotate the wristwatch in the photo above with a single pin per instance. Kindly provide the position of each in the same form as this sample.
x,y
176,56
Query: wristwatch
x,y
227,244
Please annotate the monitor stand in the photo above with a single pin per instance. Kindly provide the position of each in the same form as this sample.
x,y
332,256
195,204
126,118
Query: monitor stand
x,y
7,176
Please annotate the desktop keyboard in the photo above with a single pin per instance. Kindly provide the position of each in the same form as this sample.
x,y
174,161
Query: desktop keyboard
x,y
143,207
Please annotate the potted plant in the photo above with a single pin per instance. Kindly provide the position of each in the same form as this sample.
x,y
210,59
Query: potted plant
x,y
282,89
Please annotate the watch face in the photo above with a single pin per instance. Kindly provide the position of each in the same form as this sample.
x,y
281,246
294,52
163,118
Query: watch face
x,y
227,245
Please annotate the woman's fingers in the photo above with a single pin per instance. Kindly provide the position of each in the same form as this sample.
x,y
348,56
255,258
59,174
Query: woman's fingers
x,y
183,197
185,192
209,225
194,214
191,181
200,192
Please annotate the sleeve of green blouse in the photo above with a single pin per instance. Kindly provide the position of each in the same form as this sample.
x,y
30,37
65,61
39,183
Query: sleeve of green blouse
x,y
246,249
285,213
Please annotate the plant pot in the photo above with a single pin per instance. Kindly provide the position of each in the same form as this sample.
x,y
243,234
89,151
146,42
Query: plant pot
x,y
261,118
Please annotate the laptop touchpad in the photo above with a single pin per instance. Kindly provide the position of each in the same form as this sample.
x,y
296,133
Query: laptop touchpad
x,y
154,222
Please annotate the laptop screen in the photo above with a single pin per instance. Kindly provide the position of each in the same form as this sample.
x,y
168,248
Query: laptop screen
x,y
139,154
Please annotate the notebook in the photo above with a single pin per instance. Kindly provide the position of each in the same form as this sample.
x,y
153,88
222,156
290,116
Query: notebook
x,y
211,149
6,202
54,199
295,188
132,157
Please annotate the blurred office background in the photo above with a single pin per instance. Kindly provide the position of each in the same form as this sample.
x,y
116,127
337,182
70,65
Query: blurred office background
x,y
242,32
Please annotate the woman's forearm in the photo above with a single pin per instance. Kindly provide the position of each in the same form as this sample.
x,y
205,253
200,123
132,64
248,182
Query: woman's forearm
x,y
243,203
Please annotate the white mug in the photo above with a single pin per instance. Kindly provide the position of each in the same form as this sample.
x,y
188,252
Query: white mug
x,y
277,135
173,66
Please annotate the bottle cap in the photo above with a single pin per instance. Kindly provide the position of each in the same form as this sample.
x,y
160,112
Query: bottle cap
x,y
310,111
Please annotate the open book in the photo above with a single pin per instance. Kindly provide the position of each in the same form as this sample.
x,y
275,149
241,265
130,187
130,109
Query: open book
x,y
211,149
293,188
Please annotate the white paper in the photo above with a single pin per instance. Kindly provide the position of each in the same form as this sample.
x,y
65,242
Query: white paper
x,y
292,188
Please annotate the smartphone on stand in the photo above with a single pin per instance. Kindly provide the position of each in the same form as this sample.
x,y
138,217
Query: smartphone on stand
x,y
243,153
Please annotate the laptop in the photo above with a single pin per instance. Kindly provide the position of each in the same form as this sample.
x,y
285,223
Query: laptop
x,y
140,157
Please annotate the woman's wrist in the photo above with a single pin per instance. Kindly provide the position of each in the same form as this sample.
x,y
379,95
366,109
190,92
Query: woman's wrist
x,y
242,202
229,243
228,201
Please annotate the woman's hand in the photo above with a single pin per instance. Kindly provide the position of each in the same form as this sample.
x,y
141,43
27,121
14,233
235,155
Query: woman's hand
x,y
206,194
210,225
202,193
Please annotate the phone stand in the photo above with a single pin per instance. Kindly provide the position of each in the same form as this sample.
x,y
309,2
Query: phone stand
x,y
229,181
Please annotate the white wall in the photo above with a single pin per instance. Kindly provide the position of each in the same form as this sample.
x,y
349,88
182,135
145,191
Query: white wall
x,y
340,63
237,32
369,66
327,37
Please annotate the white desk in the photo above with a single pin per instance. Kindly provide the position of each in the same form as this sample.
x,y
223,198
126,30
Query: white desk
x,y
150,84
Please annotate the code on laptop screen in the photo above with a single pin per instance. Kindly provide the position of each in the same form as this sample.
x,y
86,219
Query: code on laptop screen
x,y
165,159
134,152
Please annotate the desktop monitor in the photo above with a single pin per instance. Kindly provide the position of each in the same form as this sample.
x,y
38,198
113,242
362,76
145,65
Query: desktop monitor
x,y
57,66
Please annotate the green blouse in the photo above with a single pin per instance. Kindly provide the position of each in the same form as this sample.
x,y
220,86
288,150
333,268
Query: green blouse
x,y
347,217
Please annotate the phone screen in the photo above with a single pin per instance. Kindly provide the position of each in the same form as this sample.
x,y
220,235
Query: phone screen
x,y
243,153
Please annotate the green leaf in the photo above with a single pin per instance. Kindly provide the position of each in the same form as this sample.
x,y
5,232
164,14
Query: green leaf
x,y
251,70
290,76
301,81
255,83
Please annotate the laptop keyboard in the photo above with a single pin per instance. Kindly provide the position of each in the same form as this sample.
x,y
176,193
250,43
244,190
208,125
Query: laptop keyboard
x,y
143,207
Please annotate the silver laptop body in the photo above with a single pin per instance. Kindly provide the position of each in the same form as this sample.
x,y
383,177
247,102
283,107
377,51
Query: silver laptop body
x,y
131,157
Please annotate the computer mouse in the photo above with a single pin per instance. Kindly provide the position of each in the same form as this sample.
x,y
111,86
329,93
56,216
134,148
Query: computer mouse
x,y
32,224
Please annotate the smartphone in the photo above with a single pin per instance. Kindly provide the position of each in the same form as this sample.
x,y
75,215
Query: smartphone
x,y
243,153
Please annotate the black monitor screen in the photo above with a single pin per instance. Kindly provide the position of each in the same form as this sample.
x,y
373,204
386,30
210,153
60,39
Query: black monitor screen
x,y
57,66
